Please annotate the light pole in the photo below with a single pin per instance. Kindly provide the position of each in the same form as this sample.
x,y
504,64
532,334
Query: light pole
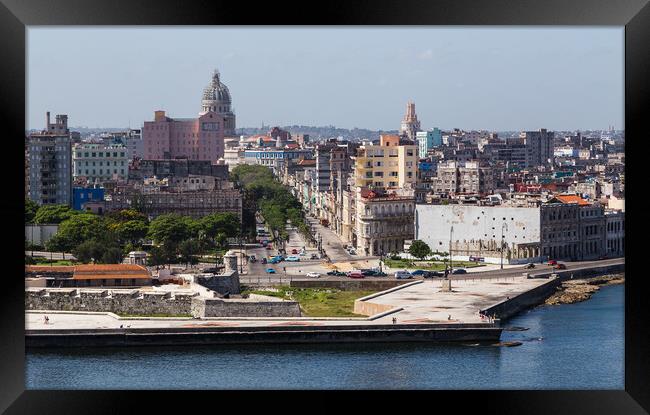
x,y
504,225
451,264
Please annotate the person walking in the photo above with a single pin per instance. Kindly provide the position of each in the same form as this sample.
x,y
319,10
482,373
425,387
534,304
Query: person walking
x,y
394,320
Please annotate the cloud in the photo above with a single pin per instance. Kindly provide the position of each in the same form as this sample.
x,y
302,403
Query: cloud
x,y
426,55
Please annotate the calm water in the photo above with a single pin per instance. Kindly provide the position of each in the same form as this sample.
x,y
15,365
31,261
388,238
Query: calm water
x,y
576,346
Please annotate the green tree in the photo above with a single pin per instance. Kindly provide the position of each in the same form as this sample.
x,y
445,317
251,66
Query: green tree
x,y
188,250
53,214
59,243
31,208
157,256
169,228
131,231
112,255
82,227
419,249
89,251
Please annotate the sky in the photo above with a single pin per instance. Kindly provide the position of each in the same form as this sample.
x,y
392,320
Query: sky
x,y
491,78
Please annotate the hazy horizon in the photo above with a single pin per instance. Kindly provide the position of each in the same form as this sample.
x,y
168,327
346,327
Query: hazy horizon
x,y
473,78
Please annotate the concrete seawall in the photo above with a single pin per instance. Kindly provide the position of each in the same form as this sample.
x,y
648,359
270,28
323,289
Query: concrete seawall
x,y
513,306
262,335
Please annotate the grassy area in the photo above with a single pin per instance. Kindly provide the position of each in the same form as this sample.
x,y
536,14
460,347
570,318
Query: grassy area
x,y
428,265
318,302
154,315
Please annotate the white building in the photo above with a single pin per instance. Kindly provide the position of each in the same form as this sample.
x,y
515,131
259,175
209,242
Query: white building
x,y
98,162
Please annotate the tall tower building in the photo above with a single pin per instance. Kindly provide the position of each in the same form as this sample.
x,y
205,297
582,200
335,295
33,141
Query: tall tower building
x,y
216,98
410,123
50,163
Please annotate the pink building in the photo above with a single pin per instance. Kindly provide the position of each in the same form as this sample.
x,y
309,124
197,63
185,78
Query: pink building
x,y
193,138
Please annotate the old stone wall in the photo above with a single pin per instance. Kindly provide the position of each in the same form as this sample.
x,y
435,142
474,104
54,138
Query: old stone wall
x,y
259,306
226,283
133,302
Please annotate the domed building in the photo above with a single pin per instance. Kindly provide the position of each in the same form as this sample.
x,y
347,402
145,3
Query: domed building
x,y
216,98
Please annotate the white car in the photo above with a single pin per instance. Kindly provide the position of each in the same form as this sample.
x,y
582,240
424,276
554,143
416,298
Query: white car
x,y
399,275
313,274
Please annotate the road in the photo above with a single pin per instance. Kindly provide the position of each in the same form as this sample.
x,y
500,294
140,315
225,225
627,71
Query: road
x,y
264,278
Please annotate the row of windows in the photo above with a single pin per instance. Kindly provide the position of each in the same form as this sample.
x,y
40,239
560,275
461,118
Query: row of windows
x,y
101,154
108,163
101,171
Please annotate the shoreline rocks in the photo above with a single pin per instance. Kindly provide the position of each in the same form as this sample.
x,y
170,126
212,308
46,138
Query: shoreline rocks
x,y
575,291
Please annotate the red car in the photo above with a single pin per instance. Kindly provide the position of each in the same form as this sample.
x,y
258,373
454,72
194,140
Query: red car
x,y
294,251
355,274
552,262
559,266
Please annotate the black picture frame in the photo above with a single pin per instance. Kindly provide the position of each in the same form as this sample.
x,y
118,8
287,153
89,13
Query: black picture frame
x,y
15,15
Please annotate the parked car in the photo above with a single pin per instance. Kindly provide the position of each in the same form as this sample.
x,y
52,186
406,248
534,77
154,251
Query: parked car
x,y
380,274
552,262
559,266
459,271
368,272
530,266
252,258
276,259
432,274
270,271
313,274
314,256
263,260
337,273
355,274
293,258
294,251
403,275
418,273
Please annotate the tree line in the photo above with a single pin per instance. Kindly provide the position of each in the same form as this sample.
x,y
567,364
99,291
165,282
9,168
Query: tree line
x,y
108,238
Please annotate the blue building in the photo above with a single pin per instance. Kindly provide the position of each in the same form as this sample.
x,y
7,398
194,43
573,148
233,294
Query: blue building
x,y
83,195
428,140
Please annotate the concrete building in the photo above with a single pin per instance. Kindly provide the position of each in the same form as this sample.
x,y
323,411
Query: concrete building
x,y
134,144
269,157
383,222
387,165
470,177
539,147
192,138
98,163
141,169
428,140
50,163
615,233
83,195
410,123
91,275
480,231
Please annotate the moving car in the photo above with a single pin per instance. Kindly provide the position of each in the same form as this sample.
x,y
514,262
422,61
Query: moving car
x,y
263,260
432,274
603,257
355,274
419,272
252,258
294,251
313,274
559,266
368,272
552,262
275,260
459,271
314,256
380,274
270,271
337,273
293,258
403,275
530,266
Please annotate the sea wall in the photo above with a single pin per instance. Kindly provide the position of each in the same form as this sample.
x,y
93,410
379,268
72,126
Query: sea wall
x,y
262,335
512,306
133,302
253,306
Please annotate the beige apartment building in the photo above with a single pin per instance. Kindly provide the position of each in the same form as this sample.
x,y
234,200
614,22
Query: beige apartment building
x,y
387,165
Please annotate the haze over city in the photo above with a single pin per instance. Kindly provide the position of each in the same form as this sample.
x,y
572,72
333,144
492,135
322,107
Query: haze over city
x,y
471,78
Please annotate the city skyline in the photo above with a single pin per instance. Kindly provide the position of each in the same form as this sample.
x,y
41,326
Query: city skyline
x,y
482,78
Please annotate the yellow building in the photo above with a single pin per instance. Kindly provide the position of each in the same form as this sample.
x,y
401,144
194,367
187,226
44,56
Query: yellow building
x,y
387,165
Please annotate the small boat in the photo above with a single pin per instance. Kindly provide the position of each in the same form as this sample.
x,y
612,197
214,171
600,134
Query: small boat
x,y
508,344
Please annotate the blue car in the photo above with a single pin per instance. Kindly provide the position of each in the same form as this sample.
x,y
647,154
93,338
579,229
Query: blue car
x,y
293,258
418,272
270,271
